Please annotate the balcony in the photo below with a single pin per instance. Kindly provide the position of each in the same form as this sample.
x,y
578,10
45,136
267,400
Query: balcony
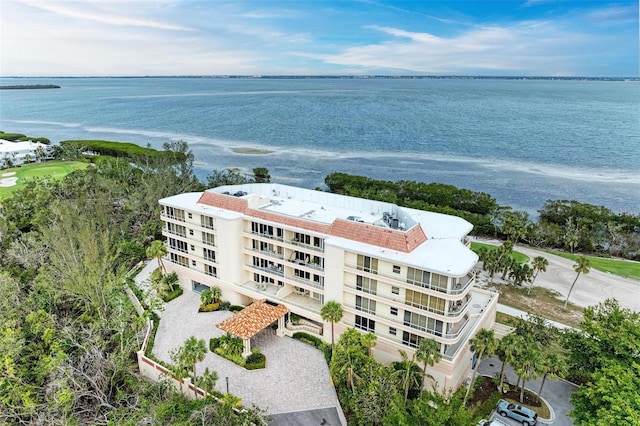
x,y
275,270
179,234
305,281
304,302
297,243
265,252
264,235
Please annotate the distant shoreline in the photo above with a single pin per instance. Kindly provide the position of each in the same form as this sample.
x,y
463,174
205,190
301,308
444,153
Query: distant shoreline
x,y
258,151
29,86
352,77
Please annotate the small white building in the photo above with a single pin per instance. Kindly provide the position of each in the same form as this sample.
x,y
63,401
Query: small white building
x,y
400,273
14,153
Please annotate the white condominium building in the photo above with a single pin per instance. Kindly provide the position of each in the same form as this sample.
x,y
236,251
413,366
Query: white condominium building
x,y
400,273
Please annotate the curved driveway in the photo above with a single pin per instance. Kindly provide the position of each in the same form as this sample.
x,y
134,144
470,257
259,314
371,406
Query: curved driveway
x,y
590,289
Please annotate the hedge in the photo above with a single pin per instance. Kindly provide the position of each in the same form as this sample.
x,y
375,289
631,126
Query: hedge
x,y
168,297
236,308
315,342
255,361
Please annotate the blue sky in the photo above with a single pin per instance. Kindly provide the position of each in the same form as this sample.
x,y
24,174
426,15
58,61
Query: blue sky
x,y
173,37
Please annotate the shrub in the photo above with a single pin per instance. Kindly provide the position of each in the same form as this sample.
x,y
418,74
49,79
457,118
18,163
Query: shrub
x,y
225,305
168,297
308,338
209,307
295,319
213,344
255,361
236,308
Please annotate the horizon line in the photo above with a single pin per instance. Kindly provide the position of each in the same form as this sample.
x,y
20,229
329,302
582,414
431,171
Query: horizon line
x,y
338,76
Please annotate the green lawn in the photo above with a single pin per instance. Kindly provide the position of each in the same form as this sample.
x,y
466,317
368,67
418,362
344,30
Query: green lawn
x,y
54,169
623,268
516,255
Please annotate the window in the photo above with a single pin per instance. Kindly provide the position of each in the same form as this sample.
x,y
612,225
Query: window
x,y
209,255
394,311
395,290
418,277
193,262
189,215
193,247
366,284
423,323
425,301
365,305
208,239
367,264
178,245
410,339
211,270
207,222
396,269
393,331
366,324
190,231
180,260
174,213
174,229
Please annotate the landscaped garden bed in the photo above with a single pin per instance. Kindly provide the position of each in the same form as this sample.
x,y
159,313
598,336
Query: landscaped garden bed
x,y
230,347
486,393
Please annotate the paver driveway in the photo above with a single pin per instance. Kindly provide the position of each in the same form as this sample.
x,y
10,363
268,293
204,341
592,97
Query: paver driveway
x,y
296,377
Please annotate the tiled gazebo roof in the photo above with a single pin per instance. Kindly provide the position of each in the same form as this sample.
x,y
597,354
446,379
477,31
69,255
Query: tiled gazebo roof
x,y
253,319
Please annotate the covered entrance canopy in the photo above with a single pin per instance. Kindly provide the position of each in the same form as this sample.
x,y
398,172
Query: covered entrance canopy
x,y
253,319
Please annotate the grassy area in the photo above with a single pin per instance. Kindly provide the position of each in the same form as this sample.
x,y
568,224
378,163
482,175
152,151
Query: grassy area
x,y
623,268
54,169
541,301
516,255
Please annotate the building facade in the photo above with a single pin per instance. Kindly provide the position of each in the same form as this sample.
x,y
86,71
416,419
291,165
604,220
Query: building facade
x,y
400,273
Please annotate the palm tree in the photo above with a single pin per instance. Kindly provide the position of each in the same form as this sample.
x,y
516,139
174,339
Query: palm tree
x,y
528,365
208,380
429,354
406,370
554,366
331,312
484,344
193,352
583,266
539,263
369,340
507,351
158,250
170,280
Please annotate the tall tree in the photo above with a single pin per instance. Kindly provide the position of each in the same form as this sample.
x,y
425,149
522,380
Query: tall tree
x,y
158,250
527,364
582,266
331,312
428,353
539,264
553,365
406,370
483,345
507,351
369,340
193,352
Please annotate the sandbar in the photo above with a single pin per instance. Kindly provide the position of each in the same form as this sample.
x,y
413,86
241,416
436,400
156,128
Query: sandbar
x,y
239,150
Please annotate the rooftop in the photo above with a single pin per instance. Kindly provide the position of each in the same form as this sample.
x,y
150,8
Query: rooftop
x,y
414,237
253,319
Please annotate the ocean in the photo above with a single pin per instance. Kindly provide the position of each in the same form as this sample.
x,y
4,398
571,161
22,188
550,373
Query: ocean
x,y
522,141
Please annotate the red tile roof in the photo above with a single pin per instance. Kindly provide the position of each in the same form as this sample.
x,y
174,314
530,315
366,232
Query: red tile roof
x,y
252,319
404,241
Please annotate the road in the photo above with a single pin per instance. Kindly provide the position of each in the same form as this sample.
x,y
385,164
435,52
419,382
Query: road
x,y
590,289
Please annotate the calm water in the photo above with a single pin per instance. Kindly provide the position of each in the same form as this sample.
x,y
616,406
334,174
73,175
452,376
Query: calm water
x,y
522,141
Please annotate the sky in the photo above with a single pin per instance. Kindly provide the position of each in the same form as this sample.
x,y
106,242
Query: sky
x,y
318,37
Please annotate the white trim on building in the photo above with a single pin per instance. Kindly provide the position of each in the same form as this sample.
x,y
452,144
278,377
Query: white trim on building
x,y
401,273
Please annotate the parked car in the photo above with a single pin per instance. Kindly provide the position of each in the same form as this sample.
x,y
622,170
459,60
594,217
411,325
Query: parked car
x,y
525,415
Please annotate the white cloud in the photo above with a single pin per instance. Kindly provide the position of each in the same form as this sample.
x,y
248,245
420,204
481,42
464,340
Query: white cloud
x,y
530,46
75,10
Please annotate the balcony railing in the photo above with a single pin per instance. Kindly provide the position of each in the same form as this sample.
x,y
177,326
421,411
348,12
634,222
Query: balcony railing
x,y
179,234
396,279
268,253
180,219
305,245
269,269
305,281
264,235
